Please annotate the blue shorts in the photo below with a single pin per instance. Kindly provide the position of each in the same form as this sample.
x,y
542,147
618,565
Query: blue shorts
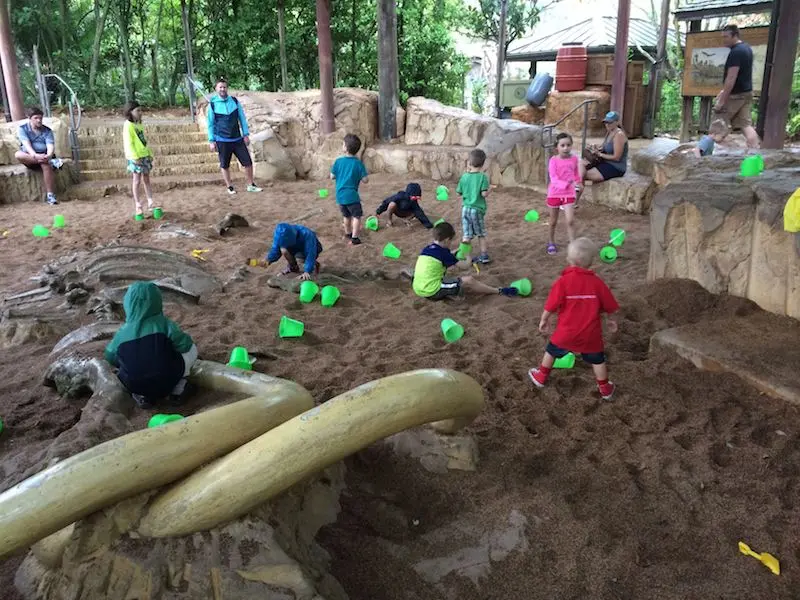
x,y
351,211
609,171
142,166
593,358
472,223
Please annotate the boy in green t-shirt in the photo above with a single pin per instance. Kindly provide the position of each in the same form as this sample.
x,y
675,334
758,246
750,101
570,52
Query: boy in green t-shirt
x,y
473,187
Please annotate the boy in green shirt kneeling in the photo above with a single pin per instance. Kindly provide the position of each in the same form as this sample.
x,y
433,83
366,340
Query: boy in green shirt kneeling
x,y
432,264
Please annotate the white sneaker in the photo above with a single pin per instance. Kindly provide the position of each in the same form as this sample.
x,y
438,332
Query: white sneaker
x,y
231,191
253,188
51,199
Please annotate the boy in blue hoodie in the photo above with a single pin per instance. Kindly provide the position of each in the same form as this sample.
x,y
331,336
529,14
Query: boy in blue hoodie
x,y
153,355
405,205
295,242
228,134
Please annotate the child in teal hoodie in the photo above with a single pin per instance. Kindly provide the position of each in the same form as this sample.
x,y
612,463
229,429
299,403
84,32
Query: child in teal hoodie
x,y
153,355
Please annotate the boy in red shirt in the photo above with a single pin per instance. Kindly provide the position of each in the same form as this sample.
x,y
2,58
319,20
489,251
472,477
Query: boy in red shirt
x,y
579,297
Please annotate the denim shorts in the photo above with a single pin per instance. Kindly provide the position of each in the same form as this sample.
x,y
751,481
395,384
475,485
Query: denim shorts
x,y
593,358
472,223
142,166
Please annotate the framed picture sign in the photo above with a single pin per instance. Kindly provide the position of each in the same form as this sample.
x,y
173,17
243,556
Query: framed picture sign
x,y
704,60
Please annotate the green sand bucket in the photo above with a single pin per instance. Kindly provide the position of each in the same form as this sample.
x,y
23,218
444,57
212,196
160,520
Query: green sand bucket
x,y
40,231
752,166
329,295
524,286
308,291
138,217
371,223
531,216
451,331
442,193
391,251
1,425
463,251
608,254
565,362
617,237
162,419
323,193
59,221
240,359
438,222
158,213
289,328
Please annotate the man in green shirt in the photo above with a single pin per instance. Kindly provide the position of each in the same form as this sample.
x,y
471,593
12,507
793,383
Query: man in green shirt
x,y
473,187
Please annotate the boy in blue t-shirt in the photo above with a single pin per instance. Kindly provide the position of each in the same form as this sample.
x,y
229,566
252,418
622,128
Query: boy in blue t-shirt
x,y
717,132
348,172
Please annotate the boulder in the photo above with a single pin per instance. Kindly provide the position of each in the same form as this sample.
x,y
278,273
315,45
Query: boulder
x,y
429,122
9,142
436,452
644,160
632,193
21,184
560,103
727,234
532,115
270,160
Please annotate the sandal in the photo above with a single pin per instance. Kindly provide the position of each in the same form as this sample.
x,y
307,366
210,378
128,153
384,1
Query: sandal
x,y
552,249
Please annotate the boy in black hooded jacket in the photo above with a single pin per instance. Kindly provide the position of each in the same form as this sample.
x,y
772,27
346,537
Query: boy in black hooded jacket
x,y
405,204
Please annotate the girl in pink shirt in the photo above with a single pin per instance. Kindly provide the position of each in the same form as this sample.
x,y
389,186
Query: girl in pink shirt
x,y
565,182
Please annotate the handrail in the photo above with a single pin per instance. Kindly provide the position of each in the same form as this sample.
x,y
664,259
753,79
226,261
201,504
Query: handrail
x,y
193,86
548,129
75,117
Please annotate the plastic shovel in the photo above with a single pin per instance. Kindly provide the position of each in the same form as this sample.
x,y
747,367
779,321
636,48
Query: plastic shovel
x,y
764,558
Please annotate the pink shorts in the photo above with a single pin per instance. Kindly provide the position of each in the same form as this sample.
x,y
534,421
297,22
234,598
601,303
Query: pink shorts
x,y
559,202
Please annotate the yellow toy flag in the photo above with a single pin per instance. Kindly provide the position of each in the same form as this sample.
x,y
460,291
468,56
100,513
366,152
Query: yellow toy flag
x,y
791,213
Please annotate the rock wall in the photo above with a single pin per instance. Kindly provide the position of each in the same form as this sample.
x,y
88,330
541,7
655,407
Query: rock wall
x,y
20,184
727,233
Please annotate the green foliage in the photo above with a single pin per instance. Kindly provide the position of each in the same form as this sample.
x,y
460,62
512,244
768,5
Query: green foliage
x,y
669,115
793,124
484,20
235,39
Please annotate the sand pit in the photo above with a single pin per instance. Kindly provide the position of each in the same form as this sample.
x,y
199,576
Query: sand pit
x,y
645,497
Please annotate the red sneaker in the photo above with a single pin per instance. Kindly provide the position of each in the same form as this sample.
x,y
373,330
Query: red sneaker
x,y
606,390
538,378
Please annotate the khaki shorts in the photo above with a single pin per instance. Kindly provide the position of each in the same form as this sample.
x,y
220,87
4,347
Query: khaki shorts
x,y
737,110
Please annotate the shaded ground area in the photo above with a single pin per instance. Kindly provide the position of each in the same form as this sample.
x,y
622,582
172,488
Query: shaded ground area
x,y
645,497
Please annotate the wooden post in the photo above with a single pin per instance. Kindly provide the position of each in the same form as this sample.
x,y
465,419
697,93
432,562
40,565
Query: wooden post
x,y
656,70
388,78
780,85
706,105
501,56
6,110
768,58
187,47
9,62
621,57
325,46
282,45
687,112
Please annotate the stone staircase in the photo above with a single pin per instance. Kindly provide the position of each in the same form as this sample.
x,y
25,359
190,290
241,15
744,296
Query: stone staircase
x,y
180,148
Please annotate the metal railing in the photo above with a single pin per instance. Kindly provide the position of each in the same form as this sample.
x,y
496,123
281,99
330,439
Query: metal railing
x,y
193,87
547,132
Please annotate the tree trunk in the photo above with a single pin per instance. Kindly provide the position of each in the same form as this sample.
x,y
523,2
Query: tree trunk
x,y
353,43
154,54
282,45
100,14
123,19
387,69
325,51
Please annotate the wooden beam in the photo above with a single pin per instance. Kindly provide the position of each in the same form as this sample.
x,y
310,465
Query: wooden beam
x,y
621,57
767,75
388,78
706,105
325,49
9,62
656,71
780,86
501,56
687,14
686,118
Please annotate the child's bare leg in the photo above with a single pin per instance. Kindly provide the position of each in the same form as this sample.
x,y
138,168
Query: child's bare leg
x,y
483,245
600,372
569,214
292,268
136,179
356,226
346,226
548,360
553,222
391,212
148,189
471,284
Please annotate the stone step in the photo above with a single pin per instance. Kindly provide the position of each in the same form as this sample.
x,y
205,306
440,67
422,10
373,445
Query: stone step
x,y
95,190
761,349
153,139
169,160
185,171
159,150
115,128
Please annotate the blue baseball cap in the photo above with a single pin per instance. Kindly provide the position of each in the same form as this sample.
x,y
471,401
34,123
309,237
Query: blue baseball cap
x,y
611,116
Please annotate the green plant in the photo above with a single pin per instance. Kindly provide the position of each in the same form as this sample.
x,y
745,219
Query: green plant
x,y
479,88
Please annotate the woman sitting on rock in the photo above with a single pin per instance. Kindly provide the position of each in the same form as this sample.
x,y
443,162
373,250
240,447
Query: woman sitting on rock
x,y
611,159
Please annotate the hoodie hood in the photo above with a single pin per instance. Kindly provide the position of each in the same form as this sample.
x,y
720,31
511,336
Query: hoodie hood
x,y
285,236
142,300
414,189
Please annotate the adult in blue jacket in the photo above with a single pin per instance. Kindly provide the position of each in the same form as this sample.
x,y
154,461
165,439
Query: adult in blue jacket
x,y
295,242
229,135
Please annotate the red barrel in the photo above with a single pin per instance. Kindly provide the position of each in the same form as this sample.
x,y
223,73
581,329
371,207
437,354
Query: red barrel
x,y
571,62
